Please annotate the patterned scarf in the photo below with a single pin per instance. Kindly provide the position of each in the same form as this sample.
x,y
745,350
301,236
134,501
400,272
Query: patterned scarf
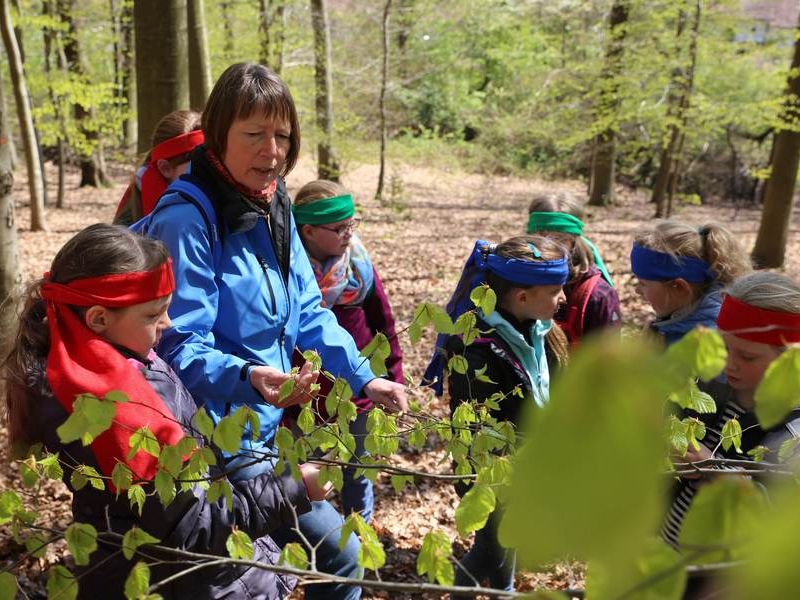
x,y
345,279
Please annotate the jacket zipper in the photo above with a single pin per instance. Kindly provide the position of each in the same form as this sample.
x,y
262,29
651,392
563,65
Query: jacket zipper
x,y
265,269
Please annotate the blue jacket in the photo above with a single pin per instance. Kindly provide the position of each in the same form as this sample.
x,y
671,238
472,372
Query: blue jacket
x,y
238,308
703,312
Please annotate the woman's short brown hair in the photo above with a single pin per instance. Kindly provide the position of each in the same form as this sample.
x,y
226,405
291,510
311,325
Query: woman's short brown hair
x,y
243,89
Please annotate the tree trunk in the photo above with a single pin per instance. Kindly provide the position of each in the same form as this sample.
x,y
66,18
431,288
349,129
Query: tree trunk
x,y
271,25
49,39
32,162
199,61
677,114
10,271
327,163
127,79
776,217
162,82
382,99
92,173
228,48
602,172
7,128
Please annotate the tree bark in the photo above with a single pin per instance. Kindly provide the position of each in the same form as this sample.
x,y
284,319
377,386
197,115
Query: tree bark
x,y
602,172
228,47
382,99
10,271
92,171
32,162
776,216
127,76
271,26
199,61
327,162
162,82
677,114
50,44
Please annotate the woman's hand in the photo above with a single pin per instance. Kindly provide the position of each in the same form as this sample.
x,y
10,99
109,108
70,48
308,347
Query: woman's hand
x,y
315,491
268,380
388,394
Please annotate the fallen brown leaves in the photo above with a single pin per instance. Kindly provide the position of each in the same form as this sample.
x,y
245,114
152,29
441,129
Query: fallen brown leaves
x,y
419,243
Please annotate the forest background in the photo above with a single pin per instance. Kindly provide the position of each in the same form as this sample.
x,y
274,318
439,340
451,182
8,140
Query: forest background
x,y
433,113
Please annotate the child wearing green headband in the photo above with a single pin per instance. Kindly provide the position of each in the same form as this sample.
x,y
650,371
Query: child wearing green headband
x,y
351,288
592,302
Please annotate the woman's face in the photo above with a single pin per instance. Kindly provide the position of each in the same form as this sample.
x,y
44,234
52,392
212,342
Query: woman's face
x,y
256,150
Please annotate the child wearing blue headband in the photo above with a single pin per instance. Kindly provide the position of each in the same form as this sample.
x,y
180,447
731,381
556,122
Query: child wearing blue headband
x,y
681,271
517,346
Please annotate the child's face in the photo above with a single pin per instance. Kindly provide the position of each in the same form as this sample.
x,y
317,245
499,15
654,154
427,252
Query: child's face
x,y
138,328
538,302
664,296
331,239
747,362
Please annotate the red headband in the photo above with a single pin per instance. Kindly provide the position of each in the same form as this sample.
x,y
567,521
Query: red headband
x,y
80,361
175,146
758,324
153,184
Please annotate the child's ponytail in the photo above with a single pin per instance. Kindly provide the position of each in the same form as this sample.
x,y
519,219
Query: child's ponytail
x,y
723,252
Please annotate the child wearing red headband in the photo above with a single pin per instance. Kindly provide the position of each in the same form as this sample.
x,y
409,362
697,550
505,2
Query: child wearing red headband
x,y
760,316
89,327
174,138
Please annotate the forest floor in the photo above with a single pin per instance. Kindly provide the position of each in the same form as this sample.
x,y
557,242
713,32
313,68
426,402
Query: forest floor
x,y
418,239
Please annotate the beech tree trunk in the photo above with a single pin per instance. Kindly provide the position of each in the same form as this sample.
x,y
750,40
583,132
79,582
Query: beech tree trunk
x,y
677,114
199,62
162,81
382,99
32,162
601,179
127,79
271,26
773,232
10,271
51,45
327,163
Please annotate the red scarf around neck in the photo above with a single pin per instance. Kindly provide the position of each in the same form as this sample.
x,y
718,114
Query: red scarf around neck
x,y
80,361
261,196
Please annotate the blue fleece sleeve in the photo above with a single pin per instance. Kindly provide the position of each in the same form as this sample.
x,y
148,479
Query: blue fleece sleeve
x,y
319,330
212,376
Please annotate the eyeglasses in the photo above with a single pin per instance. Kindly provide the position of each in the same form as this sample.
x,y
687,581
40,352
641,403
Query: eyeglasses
x,y
344,229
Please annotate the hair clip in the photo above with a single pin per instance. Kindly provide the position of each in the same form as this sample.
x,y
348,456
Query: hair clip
x,y
534,250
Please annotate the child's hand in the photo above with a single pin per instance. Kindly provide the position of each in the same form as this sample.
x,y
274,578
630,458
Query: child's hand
x,y
268,380
692,456
387,393
310,474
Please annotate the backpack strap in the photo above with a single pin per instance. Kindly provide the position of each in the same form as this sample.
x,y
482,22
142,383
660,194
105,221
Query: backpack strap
x,y
576,308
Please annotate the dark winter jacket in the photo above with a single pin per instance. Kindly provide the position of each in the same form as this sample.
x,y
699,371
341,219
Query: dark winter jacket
x,y
703,312
189,523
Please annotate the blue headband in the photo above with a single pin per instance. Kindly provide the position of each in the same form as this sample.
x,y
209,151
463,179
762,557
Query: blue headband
x,y
517,271
660,266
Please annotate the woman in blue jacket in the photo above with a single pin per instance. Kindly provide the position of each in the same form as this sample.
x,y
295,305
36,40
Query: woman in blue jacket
x,y
246,294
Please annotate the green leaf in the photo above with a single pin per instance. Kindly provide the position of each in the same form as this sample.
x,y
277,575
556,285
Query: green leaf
x,y
377,351
732,435
36,545
61,584
10,505
239,545
81,541
138,581
28,472
466,325
145,440
313,357
332,473
286,389
8,586
615,425
221,488
480,375
700,353
700,402
305,420
417,437
787,449
171,460
779,390
414,333
340,391
434,558
721,512
137,497
203,423
294,555
165,487
484,298
400,481
474,509
371,555
228,434
117,396
84,474
758,453
51,466
90,417
134,538
458,364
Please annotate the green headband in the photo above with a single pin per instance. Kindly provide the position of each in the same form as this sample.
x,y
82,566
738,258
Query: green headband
x,y
328,210
564,223
554,221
